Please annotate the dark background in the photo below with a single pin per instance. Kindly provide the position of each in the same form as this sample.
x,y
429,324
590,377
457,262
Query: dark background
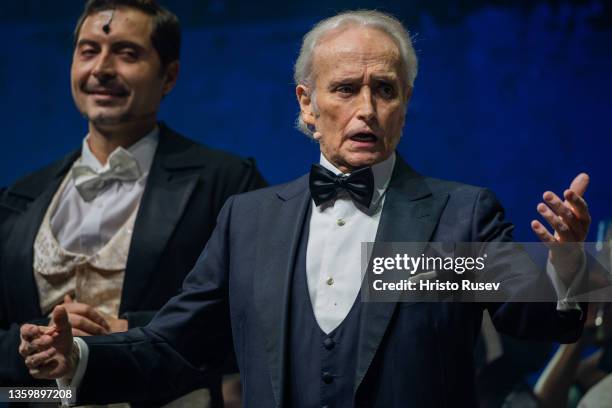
x,y
515,96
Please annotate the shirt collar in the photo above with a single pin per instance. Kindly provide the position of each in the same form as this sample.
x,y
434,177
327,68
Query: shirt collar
x,y
143,151
382,175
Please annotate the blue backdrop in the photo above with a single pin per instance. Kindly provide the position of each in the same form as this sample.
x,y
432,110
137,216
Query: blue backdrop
x,y
515,96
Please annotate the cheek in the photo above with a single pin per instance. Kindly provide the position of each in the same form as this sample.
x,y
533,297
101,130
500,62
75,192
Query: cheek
x,y
395,119
335,118
147,88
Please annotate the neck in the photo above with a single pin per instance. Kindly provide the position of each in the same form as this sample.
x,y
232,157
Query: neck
x,y
345,167
104,140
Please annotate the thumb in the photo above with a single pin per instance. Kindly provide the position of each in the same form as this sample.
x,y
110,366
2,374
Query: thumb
x,y
67,298
59,319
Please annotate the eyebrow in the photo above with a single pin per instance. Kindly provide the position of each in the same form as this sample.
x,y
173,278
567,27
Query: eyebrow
x,y
85,41
126,44
386,77
345,79
115,45
356,78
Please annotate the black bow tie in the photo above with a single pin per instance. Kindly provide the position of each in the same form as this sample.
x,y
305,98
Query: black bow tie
x,y
325,185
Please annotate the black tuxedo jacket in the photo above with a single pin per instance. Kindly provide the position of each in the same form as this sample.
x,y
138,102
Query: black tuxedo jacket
x,y
409,354
186,188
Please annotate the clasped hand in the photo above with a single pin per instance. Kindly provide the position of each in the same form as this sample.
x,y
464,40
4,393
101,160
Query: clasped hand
x,y
49,351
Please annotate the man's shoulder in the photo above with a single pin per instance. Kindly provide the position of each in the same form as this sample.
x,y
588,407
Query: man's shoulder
x,y
417,185
466,198
179,150
275,192
16,197
442,186
30,185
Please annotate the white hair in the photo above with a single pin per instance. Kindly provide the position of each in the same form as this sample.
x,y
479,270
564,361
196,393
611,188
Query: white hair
x,y
303,70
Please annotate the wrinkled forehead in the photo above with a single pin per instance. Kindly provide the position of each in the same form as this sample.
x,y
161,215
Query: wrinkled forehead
x,y
354,48
120,21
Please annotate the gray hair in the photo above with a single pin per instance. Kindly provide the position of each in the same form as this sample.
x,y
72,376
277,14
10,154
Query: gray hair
x,y
303,72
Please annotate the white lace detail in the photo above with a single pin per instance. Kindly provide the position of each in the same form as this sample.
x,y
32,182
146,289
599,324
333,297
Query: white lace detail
x,y
96,280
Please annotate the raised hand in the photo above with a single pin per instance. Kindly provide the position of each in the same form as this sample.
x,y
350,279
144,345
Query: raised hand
x,y
570,218
570,221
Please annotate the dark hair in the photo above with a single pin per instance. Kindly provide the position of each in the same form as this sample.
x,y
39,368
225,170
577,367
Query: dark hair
x,y
166,33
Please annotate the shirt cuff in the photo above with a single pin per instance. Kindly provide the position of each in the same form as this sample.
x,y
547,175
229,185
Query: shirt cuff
x,y
75,382
564,293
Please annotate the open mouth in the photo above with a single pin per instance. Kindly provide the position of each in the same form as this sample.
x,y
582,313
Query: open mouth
x,y
364,137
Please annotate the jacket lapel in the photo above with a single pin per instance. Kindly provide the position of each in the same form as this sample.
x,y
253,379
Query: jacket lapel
x,y
169,186
410,214
32,198
279,228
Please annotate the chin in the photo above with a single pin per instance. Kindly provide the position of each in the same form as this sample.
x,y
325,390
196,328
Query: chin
x,y
105,120
366,159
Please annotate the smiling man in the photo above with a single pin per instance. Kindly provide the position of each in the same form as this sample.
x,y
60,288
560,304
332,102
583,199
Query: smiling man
x,y
283,265
111,230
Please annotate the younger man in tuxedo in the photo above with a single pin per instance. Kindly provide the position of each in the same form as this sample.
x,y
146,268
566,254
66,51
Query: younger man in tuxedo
x,y
111,230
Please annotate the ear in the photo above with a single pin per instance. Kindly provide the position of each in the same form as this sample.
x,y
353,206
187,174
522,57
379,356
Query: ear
x,y
170,77
302,92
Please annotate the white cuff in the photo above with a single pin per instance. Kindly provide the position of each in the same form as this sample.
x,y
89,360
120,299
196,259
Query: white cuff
x,y
75,382
564,293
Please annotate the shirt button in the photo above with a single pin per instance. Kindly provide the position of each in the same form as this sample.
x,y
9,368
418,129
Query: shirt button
x,y
330,281
340,222
328,378
329,343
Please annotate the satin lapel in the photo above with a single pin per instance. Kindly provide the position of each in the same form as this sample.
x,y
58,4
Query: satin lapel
x,y
20,246
279,232
168,190
410,214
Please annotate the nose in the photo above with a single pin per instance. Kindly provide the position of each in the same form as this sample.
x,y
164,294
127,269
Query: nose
x,y
104,68
366,109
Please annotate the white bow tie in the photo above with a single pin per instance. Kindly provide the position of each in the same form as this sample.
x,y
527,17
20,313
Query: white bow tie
x,y
121,166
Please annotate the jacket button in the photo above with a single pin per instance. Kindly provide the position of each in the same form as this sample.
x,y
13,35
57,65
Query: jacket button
x,y
329,343
327,377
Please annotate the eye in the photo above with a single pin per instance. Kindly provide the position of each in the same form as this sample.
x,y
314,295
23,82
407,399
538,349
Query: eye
x,y
87,52
387,90
345,89
129,54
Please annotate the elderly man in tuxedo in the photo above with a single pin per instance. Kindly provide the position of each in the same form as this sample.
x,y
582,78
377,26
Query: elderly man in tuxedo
x,y
282,276
111,230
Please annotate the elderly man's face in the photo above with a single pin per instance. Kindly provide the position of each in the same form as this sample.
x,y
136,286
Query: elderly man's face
x,y
116,77
360,100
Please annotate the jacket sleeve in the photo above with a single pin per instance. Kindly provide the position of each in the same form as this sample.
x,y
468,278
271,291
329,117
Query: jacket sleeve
x,y
535,320
12,368
185,343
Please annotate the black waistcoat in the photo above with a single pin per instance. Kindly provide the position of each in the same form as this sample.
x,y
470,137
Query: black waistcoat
x,y
321,366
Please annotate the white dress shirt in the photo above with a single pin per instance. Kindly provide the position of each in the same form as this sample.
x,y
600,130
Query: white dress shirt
x,y
85,227
333,257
